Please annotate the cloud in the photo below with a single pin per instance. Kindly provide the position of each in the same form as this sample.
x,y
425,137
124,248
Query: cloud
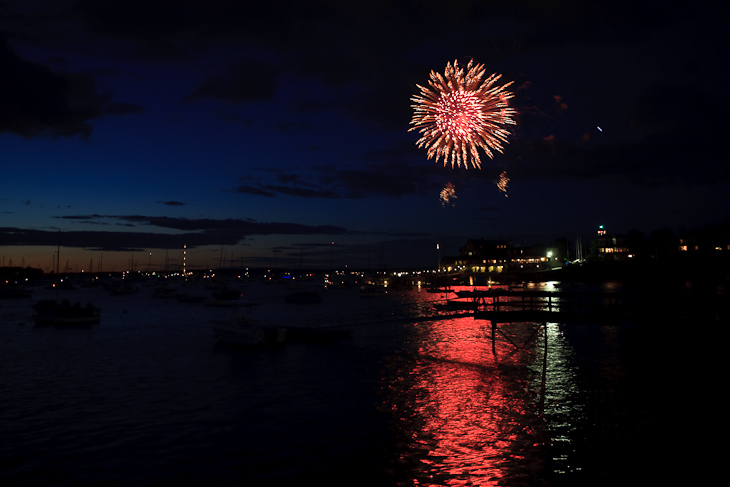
x,y
250,81
244,189
38,102
123,109
35,101
387,177
230,226
195,232
81,217
302,192
291,126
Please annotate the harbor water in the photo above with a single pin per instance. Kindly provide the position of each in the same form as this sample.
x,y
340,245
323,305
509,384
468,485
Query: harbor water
x,y
148,397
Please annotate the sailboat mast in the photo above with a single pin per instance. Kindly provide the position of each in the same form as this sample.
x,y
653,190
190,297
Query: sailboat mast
x,y
58,252
58,262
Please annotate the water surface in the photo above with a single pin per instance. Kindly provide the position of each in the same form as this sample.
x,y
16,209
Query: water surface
x,y
148,396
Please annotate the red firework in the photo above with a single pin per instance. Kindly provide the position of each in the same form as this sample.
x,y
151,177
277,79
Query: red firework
x,y
460,114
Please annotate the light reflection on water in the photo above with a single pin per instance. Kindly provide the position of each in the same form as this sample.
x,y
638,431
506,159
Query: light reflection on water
x,y
561,399
477,411
469,408
601,407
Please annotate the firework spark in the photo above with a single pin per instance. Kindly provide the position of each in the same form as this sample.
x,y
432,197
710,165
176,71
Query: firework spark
x,y
502,182
448,195
460,114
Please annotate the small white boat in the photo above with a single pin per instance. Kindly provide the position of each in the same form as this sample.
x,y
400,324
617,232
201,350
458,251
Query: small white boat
x,y
240,330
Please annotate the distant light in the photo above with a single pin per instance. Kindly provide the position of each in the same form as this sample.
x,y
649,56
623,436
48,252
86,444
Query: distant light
x,y
599,128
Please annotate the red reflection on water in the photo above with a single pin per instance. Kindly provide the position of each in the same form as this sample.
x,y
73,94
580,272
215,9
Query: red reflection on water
x,y
469,412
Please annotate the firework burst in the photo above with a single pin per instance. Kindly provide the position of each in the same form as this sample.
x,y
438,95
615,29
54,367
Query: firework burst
x,y
448,195
502,182
461,113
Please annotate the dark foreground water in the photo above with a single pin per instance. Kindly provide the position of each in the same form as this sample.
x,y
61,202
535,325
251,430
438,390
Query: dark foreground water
x,y
147,397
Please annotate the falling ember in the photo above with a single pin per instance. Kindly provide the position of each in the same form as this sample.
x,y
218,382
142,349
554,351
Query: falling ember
x,y
448,195
460,114
502,182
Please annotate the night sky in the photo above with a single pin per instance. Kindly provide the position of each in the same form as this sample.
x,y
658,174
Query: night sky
x,y
276,132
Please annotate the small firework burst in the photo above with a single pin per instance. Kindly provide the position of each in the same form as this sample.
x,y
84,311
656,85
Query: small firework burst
x,y
502,182
461,114
448,195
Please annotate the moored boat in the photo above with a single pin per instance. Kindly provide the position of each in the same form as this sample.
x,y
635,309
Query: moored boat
x,y
51,312
240,330
163,292
226,297
10,291
438,290
474,293
372,291
122,288
304,297
190,298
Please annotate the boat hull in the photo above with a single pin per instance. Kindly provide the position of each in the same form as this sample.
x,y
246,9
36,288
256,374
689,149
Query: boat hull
x,y
49,312
45,320
245,332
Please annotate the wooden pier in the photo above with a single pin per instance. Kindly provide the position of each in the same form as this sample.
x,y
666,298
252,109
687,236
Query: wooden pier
x,y
390,313
497,305
502,306
543,307
556,306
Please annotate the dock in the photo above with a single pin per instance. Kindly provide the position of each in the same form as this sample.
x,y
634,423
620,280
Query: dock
x,y
502,306
390,313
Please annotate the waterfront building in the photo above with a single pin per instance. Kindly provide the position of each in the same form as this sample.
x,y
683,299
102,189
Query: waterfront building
x,y
609,247
535,258
498,256
481,255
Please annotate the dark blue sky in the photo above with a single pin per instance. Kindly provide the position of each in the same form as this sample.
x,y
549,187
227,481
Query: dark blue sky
x,y
256,131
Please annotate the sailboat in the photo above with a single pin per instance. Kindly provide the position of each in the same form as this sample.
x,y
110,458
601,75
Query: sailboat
x,y
51,312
